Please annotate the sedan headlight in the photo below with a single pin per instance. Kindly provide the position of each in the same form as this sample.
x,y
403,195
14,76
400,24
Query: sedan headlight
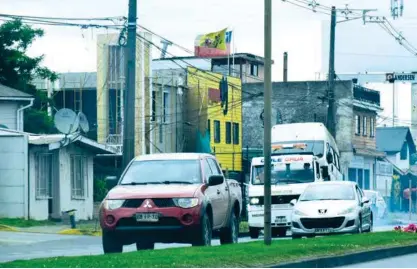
x,y
112,204
186,202
254,201
299,213
347,211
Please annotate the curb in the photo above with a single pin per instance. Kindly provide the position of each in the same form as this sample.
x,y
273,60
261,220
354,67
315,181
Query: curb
x,y
6,228
351,258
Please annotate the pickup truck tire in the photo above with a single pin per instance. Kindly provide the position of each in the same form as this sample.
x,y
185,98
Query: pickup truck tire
x,y
230,234
254,232
204,232
145,245
111,244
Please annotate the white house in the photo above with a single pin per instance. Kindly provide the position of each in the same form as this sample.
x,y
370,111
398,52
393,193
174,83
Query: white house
x,y
12,105
43,175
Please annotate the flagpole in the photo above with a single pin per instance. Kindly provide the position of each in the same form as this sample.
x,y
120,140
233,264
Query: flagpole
x,y
228,59
234,49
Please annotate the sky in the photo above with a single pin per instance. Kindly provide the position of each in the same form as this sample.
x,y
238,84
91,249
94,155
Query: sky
x,y
300,32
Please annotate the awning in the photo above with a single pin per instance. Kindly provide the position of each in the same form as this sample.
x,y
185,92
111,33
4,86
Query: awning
x,y
369,152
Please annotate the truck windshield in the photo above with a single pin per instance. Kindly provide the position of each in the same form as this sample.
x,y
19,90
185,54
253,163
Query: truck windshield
x,y
162,172
285,173
297,147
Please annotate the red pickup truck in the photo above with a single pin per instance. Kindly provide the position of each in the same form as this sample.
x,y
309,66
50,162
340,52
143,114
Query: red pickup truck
x,y
171,198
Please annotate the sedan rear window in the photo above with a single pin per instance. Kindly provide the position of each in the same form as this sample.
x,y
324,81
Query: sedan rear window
x,y
328,192
162,172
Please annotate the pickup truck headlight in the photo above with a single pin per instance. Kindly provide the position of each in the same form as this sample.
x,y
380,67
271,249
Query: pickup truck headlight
x,y
254,201
299,213
112,204
347,211
186,202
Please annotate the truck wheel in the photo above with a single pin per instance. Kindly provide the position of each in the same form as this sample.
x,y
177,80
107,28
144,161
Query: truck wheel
x,y
254,232
296,236
145,245
204,233
230,234
111,244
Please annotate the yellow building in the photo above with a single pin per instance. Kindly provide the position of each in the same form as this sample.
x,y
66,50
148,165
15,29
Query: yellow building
x,y
213,128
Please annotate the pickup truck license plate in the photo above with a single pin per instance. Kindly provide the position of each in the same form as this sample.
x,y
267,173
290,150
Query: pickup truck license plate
x,y
147,217
324,231
281,220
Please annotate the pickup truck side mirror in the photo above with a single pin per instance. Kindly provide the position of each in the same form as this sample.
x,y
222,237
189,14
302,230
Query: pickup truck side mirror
x,y
215,180
293,202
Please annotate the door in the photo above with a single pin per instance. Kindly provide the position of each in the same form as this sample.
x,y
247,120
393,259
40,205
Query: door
x,y
224,192
365,210
214,195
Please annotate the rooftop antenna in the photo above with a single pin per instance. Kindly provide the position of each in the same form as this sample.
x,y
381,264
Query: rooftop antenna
x,y
84,125
66,121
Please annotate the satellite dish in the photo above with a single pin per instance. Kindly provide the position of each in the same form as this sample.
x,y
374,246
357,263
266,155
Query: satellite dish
x,y
83,122
66,121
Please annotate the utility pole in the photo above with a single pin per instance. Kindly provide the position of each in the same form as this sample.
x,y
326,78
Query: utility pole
x,y
267,120
285,66
331,123
129,108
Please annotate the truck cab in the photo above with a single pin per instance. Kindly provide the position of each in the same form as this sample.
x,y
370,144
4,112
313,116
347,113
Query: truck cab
x,y
290,175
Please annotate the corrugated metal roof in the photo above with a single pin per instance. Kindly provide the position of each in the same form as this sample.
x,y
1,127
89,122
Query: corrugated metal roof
x,y
391,139
12,93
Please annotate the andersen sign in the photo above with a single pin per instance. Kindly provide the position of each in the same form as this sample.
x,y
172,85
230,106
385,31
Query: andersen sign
x,y
400,77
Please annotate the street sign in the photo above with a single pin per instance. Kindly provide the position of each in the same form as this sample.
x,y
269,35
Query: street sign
x,y
400,77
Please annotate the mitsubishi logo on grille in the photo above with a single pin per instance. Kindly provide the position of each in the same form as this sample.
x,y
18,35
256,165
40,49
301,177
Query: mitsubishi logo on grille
x,y
322,211
147,204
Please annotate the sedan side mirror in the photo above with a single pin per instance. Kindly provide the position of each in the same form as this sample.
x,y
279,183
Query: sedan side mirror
x,y
215,180
365,200
293,202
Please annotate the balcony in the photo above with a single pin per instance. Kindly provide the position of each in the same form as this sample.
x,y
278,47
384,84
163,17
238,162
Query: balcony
x,y
366,95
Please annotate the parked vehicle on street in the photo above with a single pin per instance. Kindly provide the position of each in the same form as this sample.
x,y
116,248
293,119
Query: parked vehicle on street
x,y
171,198
378,205
331,208
290,175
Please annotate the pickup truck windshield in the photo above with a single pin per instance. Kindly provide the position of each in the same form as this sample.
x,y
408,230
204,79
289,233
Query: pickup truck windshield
x,y
328,192
162,172
285,173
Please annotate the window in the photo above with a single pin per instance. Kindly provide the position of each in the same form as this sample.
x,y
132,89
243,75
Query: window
x,y
367,179
372,127
228,133
214,167
43,176
153,117
217,131
365,126
78,176
209,127
404,151
254,70
166,105
236,133
357,125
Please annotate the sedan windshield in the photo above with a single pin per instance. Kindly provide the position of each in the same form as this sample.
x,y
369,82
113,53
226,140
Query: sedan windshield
x,y
162,172
328,192
282,173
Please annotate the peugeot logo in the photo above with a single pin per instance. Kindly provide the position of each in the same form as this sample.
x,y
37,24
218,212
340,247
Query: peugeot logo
x,y
322,211
147,204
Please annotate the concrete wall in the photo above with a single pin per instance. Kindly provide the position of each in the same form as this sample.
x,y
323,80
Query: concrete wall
x,y
8,114
299,102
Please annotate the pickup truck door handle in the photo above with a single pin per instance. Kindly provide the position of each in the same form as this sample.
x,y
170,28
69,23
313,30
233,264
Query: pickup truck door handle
x,y
226,189
218,191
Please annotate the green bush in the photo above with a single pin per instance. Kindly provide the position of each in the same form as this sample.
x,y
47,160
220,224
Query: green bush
x,y
100,189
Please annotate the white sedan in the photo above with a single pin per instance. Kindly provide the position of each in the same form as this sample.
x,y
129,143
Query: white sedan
x,y
331,207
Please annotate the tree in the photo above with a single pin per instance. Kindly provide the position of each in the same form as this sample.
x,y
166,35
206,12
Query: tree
x,y
17,70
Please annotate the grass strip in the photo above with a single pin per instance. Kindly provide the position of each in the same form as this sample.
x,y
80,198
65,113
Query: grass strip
x,y
253,254
23,223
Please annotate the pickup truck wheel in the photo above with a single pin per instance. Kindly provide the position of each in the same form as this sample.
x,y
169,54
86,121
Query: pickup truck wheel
x,y
230,234
254,232
204,233
111,244
145,245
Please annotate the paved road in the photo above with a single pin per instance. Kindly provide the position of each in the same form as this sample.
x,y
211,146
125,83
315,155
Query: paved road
x,y
19,246
407,261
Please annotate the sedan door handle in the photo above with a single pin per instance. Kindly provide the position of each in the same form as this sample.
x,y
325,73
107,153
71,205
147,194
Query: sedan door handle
x,y
218,192
226,189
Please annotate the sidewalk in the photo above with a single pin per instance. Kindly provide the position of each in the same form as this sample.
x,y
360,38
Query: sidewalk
x,y
403,218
